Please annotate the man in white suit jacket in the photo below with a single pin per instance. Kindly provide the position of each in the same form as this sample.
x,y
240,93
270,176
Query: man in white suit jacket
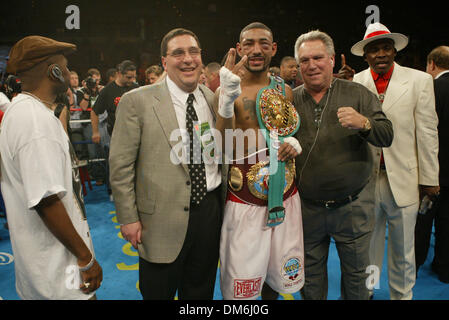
x,y
408,170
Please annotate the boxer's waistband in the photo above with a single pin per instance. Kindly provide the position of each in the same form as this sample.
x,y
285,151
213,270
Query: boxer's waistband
x,y
234,198
248,181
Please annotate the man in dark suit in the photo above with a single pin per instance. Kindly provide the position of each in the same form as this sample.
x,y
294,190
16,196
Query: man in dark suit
x,y
438,67
169,205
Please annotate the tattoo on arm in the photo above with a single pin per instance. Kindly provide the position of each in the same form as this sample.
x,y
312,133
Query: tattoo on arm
x,y
250,107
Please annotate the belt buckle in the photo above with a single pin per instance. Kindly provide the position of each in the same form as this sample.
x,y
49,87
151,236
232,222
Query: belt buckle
x,y
328,203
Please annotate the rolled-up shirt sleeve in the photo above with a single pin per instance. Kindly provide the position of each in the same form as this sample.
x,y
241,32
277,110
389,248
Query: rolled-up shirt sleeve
x,y
42,162
381,133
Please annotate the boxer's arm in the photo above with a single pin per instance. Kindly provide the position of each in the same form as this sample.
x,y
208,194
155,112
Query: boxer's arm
x,y
228,92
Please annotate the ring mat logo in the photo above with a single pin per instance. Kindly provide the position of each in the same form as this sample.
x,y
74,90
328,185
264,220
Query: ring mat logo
x,y
6,258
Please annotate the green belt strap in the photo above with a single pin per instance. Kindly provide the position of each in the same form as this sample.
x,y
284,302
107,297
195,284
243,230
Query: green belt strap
x,y
276,182
276,210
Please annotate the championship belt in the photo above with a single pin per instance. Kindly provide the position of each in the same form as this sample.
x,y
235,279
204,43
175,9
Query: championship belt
x,y
248,179
278,119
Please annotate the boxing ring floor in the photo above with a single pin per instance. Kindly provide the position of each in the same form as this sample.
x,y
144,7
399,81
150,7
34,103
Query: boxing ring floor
x,y
120,261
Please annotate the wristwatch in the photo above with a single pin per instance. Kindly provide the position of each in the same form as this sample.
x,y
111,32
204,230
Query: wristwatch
x,y
367,125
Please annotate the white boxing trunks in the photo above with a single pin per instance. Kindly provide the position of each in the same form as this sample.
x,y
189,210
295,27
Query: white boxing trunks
x,y
252,253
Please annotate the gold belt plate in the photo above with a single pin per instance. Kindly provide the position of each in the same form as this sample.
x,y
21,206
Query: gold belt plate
x,y
258,176
277,112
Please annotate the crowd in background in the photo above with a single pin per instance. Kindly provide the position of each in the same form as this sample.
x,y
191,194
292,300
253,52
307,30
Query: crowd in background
x,y
87,113
75,114
75,111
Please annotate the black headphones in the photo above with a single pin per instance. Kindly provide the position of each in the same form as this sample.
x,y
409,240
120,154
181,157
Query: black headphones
x,y
55,73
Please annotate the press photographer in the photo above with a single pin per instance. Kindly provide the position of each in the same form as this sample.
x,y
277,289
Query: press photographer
x,y
88,94
86,97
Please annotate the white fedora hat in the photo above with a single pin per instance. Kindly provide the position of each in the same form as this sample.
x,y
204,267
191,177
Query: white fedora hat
x,y
376,31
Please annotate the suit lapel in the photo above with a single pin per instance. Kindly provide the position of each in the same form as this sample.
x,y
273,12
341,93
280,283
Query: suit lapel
x,y
396,88
369,81
165,112
210,101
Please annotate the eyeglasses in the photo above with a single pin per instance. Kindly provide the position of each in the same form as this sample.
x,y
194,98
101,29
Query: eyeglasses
x,y
180,53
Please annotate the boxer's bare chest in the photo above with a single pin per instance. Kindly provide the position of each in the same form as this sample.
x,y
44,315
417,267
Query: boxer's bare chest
x,y
246,120
245,108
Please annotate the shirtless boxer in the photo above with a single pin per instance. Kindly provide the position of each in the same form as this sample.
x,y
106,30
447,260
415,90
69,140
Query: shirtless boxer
x,y
254,249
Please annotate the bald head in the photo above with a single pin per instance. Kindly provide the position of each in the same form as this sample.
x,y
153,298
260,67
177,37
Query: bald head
x,y
212,74
440,56
438,60
289,68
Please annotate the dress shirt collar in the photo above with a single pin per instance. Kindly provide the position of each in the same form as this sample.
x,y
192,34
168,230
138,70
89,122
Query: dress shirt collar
x,y
180,94
441,73
386,76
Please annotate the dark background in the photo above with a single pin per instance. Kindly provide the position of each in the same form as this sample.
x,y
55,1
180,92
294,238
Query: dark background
x,y
112,31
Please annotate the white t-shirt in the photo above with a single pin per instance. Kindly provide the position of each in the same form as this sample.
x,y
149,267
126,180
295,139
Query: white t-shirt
x,y
36,163
4,102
